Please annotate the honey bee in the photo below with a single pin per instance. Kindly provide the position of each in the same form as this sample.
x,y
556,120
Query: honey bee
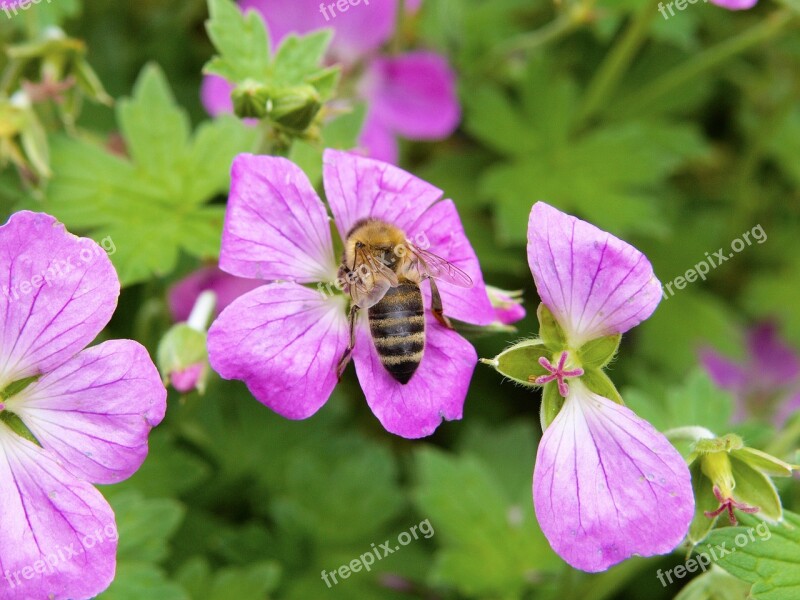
x,y
382,271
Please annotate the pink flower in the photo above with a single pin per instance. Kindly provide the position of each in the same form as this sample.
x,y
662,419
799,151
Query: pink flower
x,y
70,417
226,288
412,95
766,383
606,484
285,339
735,4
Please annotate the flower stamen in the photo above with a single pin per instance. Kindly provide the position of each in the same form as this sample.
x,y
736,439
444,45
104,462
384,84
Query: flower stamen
x,y
728,504
557,373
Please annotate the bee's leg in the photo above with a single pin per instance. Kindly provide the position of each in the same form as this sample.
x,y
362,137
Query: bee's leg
x,y
436,306
345,360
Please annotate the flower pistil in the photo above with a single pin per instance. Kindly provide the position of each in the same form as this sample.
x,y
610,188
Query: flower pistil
x,y
557,373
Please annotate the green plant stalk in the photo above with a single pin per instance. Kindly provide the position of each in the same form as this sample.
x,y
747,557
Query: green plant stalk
x,y
616,63
706,61
561,26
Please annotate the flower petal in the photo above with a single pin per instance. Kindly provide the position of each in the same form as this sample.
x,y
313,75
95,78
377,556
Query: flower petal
x,y
607,485
358,187
435,392
725,373
413,94
58,534
378,141
215,94
735,4
58,293
439,231
594,283
276,227
365,27
284,341
774,364
227,288
94,412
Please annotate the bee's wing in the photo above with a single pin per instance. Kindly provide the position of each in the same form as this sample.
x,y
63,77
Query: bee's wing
x,y
366,296
372,280
430,265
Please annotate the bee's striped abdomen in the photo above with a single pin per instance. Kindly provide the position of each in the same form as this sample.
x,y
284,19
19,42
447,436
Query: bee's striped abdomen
x,y
397,324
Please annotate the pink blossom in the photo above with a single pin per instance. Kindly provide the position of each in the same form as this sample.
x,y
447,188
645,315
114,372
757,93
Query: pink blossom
x,y
285,339
71,416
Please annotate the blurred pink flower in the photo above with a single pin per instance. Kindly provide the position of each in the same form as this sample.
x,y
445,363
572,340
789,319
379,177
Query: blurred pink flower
x,y
766,383
183,295
735,4
412,95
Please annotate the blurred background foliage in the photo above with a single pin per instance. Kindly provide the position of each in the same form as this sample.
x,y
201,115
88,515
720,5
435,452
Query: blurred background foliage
x,y
676,134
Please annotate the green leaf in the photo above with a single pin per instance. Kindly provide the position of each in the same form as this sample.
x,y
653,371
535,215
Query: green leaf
x,y
715,584
253,582
469,524
241,40
766,555
243,54
144,525
134,581
153,204
168,471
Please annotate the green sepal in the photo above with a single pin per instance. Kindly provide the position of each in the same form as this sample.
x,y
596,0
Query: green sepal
x,y
552,402
294,108
756,489
15,387
250,100
599,383
521,361
549,330
726,443
763,462
598,353
16,425
90,83
704,500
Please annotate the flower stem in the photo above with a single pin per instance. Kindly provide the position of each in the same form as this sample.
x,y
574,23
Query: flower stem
x,y
616,62
564,24
705,61
202,311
